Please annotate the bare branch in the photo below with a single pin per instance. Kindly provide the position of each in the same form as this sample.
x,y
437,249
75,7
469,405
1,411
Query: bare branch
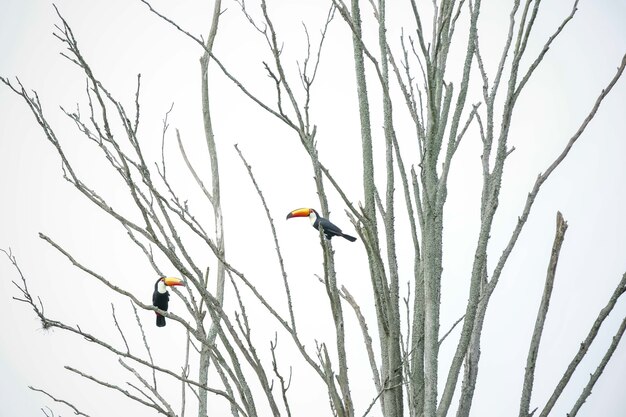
x,y
118,328
153,389
460,319
276,244
367,339
118,389
542,312
584,347
594,377
543,52
145,343
76,411
171,22
543,177
192,170
253,97
284,386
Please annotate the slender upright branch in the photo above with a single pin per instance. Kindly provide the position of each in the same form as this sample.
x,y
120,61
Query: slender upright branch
x,y
593,378
542,312
584,347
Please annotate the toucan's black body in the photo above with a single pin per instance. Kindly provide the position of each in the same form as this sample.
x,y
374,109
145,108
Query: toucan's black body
x,y
161,301
330,230
161,297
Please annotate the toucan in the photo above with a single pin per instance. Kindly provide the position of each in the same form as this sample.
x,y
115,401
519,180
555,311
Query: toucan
x,y
329,229
161,297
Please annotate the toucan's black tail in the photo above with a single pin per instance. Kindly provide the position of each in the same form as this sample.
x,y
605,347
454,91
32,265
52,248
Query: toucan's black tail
x,y
350,238
160,320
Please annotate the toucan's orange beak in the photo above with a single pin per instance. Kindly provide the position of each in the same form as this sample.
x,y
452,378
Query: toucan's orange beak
x,y
172,282
301,212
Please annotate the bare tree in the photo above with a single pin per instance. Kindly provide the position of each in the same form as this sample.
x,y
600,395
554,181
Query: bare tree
x,y
443,105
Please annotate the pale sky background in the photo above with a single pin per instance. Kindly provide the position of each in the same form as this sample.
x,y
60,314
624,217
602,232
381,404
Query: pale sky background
x,y
120,38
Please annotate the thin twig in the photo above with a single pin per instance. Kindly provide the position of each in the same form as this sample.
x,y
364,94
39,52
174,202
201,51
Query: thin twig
x,y
116,388
145,343
276,244
118,328
76,411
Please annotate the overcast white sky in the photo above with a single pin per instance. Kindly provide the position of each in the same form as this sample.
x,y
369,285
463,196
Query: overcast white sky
x,y
120,38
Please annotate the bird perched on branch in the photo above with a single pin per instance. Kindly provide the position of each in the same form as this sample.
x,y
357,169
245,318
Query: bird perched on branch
x,y
328,228
161,297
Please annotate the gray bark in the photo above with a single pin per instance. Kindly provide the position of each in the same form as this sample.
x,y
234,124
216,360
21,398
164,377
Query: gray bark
x,y
535,340
203,377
